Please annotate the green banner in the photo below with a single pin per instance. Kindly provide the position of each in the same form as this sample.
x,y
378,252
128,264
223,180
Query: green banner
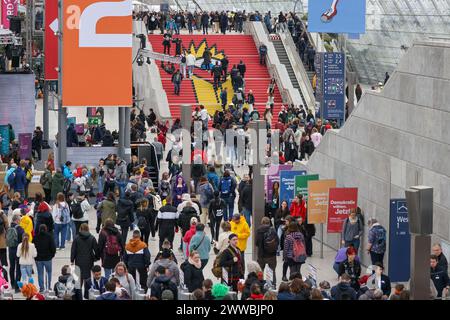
x,y
301,184
93,121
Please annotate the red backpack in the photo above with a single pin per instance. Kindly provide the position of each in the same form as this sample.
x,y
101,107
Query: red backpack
x,y
112,247
298,251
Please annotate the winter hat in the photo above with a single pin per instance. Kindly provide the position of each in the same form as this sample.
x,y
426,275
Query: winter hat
x,y
219,290
167,295
43,207
165,254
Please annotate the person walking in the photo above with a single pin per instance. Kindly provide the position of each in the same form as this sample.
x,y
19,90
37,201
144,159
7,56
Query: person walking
x,y
190,62
294,252
201,243
206,192
193,272
110,247
227,189
144,216
57,184
215,211
242,68
376,244
439,276
14,236
46,250
240,227
126,280
4,225
176,80
61,218
26,252
107,209
267,245
137,258
166,222
352,230
125,216
80,211
46,182
231,260
84,252
246,202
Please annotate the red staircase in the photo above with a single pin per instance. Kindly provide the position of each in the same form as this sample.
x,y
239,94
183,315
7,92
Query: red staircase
x,y
236,47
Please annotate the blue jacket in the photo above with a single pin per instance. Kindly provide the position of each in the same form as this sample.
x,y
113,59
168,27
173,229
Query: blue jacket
x,y
108,296
202,247
20,180
286,296
213,178
67,173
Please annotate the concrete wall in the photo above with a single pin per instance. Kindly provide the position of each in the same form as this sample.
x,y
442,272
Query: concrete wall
x,y
395,139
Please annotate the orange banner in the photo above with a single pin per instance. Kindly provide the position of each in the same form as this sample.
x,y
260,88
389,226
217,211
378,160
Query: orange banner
x,y
318,192
97,53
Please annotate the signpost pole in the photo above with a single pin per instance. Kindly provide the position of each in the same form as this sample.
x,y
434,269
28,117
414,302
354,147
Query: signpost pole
x,y
321,241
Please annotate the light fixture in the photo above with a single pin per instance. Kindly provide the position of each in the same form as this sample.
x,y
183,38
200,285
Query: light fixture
x,y
140,60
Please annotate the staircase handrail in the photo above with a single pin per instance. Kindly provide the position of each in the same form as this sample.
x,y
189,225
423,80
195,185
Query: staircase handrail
x,y
299,69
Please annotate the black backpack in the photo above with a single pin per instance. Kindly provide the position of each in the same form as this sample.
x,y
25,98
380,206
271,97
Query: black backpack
x,y
270,241
77,212
183,59
2,224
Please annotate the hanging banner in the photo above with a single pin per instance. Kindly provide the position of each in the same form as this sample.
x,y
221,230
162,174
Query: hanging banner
x,y
318,200
337,16
399,242
4,140
333,75
341,202
51,40
273,175
287,184
8,8
25,145
301,184
97,53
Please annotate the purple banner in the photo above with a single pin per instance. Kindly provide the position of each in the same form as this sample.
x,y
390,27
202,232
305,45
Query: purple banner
x,y
24,145
9,8
79,128
273,175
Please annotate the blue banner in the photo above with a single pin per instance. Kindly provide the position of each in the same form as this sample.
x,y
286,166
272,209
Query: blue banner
x,y
4,140
287,184
337,16
399,242
333,73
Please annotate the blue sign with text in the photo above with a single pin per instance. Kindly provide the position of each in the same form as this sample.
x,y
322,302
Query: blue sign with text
x,y
399,242
287,184
337,16
333,75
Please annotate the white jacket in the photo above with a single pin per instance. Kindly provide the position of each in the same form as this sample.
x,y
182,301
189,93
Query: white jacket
x,y
190,59
27,260
222,242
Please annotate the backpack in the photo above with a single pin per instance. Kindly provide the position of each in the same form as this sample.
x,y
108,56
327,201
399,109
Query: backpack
x,y
12,237
157,203
183,59
65,215
225,186
270,241
142,223
65,290
164,189
12,178
380,236
112,247
2,225
298,251
43,180
29,175
77,212
66,186
217,268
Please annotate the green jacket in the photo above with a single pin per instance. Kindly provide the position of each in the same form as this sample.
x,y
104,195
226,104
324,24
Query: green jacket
x,y
48,180
57,184
107,209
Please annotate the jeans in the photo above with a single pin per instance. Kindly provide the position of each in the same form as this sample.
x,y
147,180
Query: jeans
x,y
121,185
47,265
336,267
60,229
71,231
183,69
229,209
108,273
176,88
190,70
376,257
26,270
247,214
14,267
100,183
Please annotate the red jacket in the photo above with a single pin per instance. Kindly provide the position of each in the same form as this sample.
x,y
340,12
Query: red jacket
x,y
298,210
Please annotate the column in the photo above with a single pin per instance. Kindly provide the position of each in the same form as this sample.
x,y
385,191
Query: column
x,y
127,137
186,123
121,151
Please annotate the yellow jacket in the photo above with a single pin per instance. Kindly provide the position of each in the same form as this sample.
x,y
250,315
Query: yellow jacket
x,y
27,224
242,231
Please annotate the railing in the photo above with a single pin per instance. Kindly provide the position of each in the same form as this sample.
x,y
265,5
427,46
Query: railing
x,y
277,71
299,69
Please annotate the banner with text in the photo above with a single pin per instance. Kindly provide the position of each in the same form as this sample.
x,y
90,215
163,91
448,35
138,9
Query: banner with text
x,y
51,40
273,175
287,184
8,8
25,145
399,242
318,200
97,53
301,184
341,202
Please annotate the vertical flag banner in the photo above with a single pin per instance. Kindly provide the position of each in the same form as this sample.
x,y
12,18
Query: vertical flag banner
x,y
25,145
341,202
333,77
51,40
287,184
301,184
8,8
337,16
273,175
318,200
4,140
97,53
399,242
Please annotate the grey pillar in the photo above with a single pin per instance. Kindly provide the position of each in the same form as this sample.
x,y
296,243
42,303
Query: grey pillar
x,y
420,217
127,137
186,123
45,111
351,81
259,135
121,150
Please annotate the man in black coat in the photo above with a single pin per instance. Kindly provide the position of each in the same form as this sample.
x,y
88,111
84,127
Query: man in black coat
x,y
231,259
224,63
205,22
84,252
125,215
245,200
439,276
267,255
217,72
242,68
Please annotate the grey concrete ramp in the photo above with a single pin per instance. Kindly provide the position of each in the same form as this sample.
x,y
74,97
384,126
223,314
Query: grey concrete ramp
x,y
397,138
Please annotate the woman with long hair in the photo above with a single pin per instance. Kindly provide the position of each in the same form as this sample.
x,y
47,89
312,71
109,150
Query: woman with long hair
x,y
179,189
143,215
26,252
50,161
61,218
275,201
